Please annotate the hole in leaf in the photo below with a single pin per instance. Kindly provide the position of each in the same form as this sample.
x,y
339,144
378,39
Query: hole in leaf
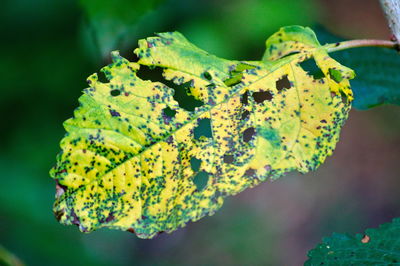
x,y
245,98
228,158
101,76
200,180
169,112
245,115
335,74
310,66
289,54
248,134
203,129
60,189
115,92
250,172
344,97
283,83
261,96
58,214
181,95
207,75
195,164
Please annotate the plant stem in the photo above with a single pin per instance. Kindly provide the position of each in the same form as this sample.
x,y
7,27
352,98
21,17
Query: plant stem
x,y
333,47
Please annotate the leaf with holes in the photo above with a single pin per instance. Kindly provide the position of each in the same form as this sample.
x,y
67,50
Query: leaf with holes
x,y
378,246
138,157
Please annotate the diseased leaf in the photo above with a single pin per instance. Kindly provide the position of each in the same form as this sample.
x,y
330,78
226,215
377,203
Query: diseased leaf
x,y
378,246
378,81
134,159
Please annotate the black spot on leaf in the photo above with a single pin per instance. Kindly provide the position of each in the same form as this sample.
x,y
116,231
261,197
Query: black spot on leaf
x,y
245,98
261,96
200,180
181,92
283,83
248,134
114,113
115,93
207,75
245,115
110,218
310,66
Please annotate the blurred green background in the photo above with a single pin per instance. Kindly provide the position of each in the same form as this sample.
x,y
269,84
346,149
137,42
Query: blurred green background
x,y
50,47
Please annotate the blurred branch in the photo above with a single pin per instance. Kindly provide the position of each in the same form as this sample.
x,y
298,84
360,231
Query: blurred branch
x,y
333,47
391,9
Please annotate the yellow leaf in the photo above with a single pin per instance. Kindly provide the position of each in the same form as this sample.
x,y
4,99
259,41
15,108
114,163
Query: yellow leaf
x,y
134,159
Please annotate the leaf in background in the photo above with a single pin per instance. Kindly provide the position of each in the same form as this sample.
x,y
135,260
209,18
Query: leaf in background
x,y
9,259
137,157
111,20
378,246
378,79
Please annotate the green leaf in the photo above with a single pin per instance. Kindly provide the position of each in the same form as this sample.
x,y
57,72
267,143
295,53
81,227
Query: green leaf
x,y
8,259
378,246
136,158
110,21
378,81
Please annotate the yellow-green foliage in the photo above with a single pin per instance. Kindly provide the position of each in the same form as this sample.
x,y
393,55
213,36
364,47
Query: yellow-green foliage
x,y
127,158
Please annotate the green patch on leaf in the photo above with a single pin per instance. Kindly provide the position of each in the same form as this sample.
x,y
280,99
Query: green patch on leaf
x,y
378,246
137,160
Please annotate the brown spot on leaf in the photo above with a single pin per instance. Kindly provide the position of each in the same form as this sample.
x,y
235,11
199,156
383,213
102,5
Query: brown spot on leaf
x,y
110,218
261,96
248,134
245,98
283,83
228,158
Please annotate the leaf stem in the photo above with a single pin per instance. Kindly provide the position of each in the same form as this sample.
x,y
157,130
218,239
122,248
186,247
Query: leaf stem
x,y
333,47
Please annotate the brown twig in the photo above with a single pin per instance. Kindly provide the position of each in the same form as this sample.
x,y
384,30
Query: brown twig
x,y
333,47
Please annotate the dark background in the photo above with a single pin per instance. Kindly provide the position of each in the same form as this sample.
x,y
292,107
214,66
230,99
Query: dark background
x,y
48,48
